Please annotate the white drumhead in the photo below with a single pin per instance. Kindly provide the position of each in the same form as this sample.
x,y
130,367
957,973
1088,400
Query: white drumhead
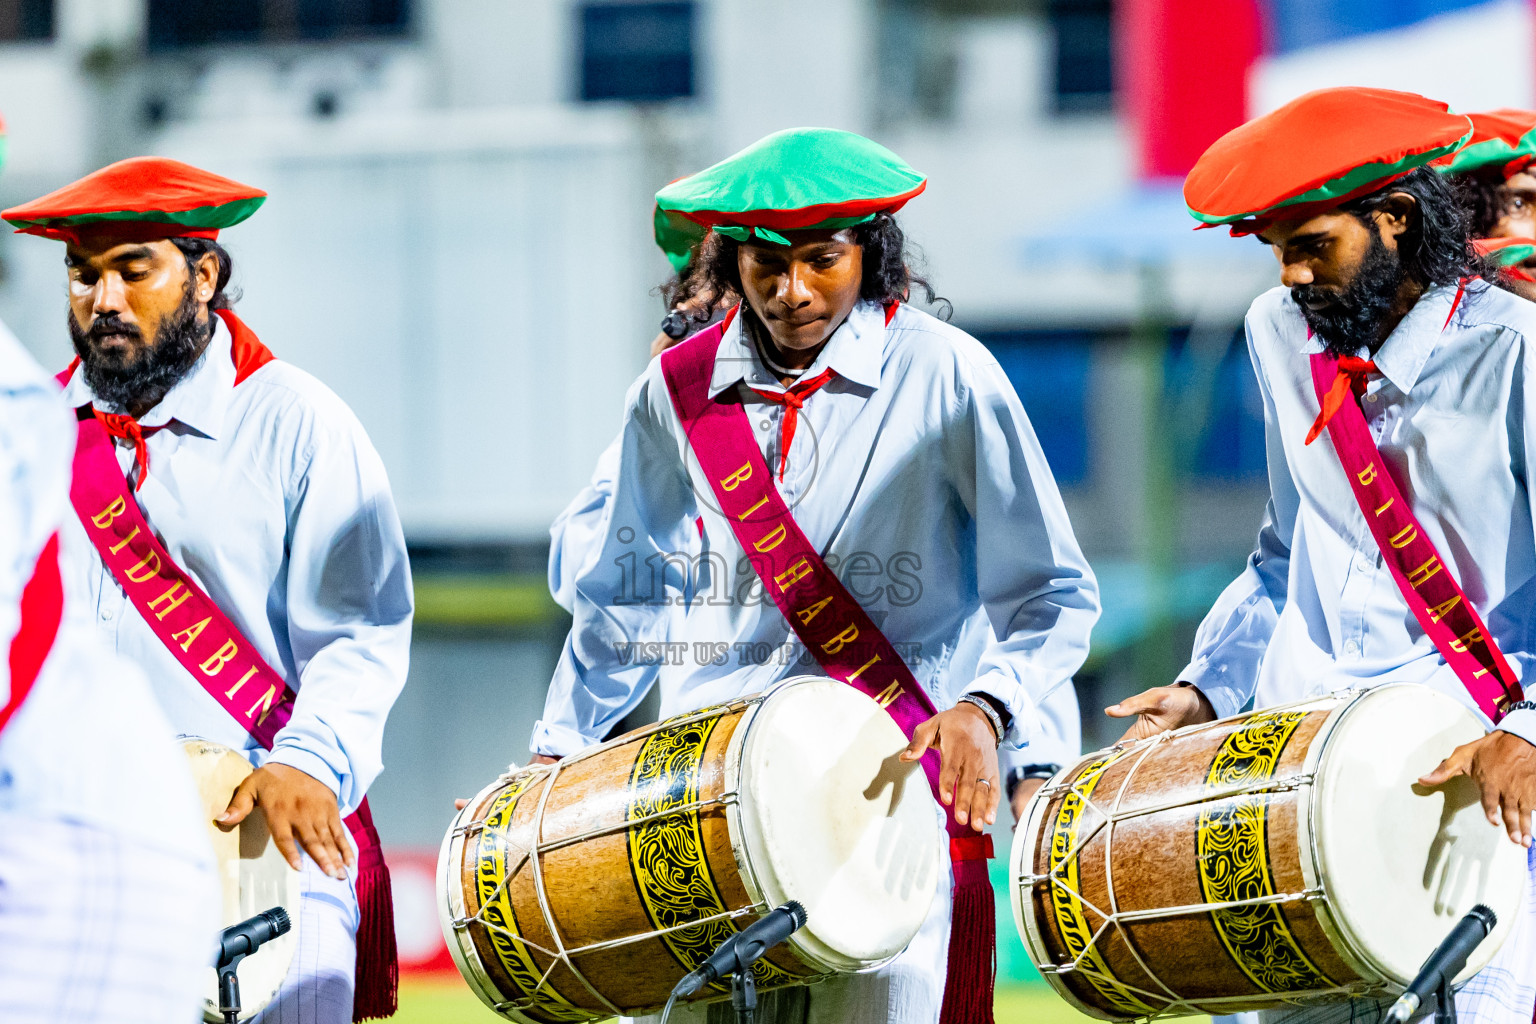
x,y
830,817
1402,864
252,875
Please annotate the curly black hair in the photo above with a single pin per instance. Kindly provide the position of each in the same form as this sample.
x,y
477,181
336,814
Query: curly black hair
x,y
193,250
1437,247
713,277
1481,198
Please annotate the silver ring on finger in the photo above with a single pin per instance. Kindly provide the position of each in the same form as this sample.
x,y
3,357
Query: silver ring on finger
x,y
985,782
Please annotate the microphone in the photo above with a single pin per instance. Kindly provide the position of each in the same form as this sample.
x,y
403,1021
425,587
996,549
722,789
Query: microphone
x,y
237,942
741,951
1444,963
243,939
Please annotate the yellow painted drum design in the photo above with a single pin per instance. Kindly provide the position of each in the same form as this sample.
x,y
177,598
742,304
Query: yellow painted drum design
x,y
1274,858
586,889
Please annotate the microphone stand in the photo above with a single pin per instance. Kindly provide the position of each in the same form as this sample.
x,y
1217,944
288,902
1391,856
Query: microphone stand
x,y
744,995
1445,1003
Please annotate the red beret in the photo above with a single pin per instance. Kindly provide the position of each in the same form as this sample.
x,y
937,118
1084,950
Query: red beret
x,y
1503,138
1318,151
146,197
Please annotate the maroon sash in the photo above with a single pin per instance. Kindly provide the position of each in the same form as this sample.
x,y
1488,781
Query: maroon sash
x,y
836,630
42,609
224,663
1426,583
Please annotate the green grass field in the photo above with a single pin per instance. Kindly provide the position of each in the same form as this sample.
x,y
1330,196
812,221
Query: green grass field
x,y
450,1002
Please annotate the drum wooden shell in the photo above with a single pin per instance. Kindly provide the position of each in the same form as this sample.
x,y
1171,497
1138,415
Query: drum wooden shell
x,y
1188,873
641,863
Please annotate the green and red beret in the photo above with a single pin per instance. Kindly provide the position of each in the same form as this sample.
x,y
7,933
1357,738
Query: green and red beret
x,y
143,197
1318,151
798,179
1506,252
1504,138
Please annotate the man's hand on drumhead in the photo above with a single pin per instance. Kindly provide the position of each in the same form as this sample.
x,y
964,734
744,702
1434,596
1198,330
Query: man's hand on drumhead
x,y
1504,767
301,812
1160,709
968,772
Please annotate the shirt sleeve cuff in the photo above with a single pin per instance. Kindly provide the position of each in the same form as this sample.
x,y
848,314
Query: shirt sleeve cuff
x,y
1226,696
1520,723
1012,695
555,740
310,764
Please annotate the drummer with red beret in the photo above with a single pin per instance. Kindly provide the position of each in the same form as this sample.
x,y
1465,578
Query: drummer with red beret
x,y
1398,544
1493,173
236,537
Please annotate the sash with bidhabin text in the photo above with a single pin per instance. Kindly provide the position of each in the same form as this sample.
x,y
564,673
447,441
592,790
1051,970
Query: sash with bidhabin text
x,y
218,656
1426,583
837,631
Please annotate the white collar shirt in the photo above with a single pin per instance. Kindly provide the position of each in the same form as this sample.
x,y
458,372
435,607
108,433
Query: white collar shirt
x,y
1316,610
914,472
270,495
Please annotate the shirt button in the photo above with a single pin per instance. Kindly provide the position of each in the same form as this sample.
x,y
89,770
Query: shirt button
x,y
106,615
1351,648
1370,398
1365,563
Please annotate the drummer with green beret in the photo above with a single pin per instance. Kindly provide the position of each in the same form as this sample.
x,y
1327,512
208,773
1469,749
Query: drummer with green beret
x,y
909,472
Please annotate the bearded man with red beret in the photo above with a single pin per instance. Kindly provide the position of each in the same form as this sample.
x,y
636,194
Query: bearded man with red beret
x,y
1398,545
240,544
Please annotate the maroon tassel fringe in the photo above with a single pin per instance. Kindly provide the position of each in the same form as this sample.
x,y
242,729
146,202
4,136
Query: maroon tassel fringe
x,y
972,970
376,986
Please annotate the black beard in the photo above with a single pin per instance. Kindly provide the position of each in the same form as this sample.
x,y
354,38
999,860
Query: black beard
x,y
1353,318
147,375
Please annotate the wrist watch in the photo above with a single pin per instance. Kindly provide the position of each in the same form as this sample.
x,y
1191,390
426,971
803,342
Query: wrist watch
x,y
1028,771
989,706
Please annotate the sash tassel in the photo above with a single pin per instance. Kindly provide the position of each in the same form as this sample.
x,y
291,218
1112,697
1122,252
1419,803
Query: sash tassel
x,y
972,969
377,973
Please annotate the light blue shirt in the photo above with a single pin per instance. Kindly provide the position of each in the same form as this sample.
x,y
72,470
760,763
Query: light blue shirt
x,y
1316,610
272,498
915,473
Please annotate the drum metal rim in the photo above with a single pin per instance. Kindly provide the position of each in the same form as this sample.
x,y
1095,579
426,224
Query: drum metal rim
x,y
1307,809
451,908
1345,940
1026,840
737,829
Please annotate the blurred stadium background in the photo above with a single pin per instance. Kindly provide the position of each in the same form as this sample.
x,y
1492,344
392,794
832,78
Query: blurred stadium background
x,y
457,241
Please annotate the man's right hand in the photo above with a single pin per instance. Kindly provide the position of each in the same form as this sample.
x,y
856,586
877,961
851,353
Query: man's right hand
x,y
1160,709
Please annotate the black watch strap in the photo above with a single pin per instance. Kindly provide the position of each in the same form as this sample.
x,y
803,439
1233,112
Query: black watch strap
x,y
1018,774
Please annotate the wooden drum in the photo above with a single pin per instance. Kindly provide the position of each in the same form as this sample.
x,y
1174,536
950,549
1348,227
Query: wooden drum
x,y
1285,856
585,889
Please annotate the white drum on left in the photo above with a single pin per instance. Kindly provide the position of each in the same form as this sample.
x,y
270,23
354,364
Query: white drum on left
x,y
253,877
